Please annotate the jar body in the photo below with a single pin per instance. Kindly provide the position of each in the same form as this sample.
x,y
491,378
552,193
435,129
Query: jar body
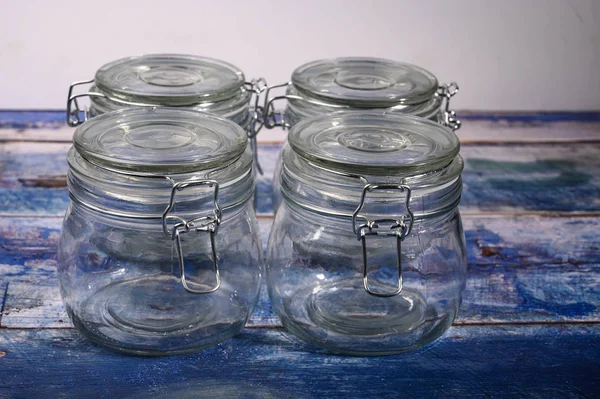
x,y
315,282
120,281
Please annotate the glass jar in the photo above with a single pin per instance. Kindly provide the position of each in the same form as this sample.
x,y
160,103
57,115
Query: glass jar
x,y
160,251
367,253
170,80
324,86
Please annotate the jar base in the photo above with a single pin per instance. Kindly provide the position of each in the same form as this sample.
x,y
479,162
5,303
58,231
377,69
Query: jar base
x,y
155,316
343,318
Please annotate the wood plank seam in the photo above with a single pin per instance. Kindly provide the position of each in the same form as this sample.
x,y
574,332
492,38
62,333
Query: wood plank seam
x,y
571,323
527,323
465,213
463,142
4,298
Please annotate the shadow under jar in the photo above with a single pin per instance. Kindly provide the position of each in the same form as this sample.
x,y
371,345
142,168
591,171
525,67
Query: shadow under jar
x,y
367,254
358,83
160,251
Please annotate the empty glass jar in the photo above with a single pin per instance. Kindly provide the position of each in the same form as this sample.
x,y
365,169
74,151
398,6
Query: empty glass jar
x,y
367,253
325,86
159,251
166,80
339,84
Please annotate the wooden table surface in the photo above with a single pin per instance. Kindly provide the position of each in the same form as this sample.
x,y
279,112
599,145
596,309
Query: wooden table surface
x,y
529,325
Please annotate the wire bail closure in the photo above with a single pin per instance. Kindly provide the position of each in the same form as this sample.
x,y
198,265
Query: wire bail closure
x,y
257,87
274,118
399,228
74,114
450,119
209,224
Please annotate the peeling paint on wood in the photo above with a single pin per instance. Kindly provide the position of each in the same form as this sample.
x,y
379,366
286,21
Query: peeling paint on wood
x,y
477,361
530,277
560,178
529,325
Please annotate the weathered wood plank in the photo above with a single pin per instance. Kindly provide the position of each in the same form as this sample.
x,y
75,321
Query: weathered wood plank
x,y
28,263
479,362
526,240
521,270
478,127
511,241
503,131
519,178
532,178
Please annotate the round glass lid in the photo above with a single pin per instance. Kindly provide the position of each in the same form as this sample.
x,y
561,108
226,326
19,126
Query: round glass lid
x,y
375,140
169,79
366,82
161,140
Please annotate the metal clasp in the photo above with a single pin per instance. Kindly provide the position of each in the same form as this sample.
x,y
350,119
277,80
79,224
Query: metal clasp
x,y
74,114
271,117
209,224
447,92
257,87
398,228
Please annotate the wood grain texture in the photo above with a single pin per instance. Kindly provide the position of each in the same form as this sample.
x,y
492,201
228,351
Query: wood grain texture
x,y
529,325
479,362
477,127
521,270
508,178
28,267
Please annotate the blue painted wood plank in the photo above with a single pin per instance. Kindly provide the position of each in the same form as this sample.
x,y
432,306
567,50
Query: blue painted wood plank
x,y
558,178
532,178
480,362
521,270
21,119
526,240
531,117
32,119
28,262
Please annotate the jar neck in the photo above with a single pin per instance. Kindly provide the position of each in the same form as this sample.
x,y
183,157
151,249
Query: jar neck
x,y
236,108
297,110
229,215
129,196
298,214
320,190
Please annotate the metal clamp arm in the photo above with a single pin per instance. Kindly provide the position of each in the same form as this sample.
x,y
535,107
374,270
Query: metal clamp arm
x,y
74,111
209,224
398,229
449,117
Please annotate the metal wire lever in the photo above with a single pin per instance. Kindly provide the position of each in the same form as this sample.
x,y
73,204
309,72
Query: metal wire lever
x,y
399,229
256,87
448,91
209,224
73,115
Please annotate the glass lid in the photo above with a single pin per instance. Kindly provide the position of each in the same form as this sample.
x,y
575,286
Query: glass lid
x,y
366,82
159,140
169,79
376,142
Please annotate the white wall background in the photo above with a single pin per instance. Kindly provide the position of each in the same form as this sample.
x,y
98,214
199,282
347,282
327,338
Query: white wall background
x,y
505,54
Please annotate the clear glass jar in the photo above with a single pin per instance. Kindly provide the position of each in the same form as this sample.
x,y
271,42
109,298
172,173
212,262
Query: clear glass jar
x,y
160,251
367,254
342,84
324,86
170,80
